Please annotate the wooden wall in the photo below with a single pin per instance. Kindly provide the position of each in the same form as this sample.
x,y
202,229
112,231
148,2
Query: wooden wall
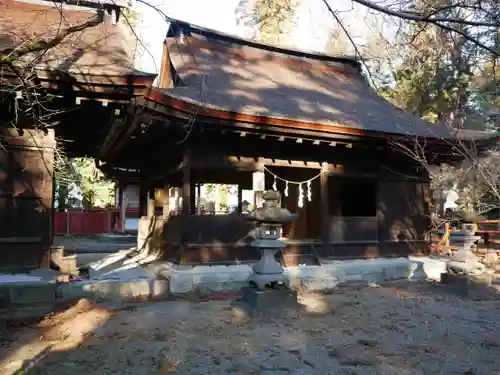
x,y
26,197
396,227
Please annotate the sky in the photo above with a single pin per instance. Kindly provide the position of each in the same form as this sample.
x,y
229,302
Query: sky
x,y
311,30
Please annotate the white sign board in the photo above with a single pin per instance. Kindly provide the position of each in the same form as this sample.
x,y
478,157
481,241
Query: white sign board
x,y
258,181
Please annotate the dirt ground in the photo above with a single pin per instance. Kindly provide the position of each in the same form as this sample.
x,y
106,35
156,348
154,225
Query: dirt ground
x,y
394,329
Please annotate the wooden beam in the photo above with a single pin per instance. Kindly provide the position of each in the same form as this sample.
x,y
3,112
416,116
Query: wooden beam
x,y
203,160
330,168
298,164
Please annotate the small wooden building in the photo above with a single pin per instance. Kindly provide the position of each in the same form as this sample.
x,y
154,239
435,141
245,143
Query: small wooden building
x,y
226,108
69,94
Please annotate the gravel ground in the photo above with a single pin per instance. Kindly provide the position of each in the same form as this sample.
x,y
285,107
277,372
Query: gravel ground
x,y
394,329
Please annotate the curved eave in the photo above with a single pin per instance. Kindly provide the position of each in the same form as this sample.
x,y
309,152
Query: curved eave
x,y
171,102
484,139
189,108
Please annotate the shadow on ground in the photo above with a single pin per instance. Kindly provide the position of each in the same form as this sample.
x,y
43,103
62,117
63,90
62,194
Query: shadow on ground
x,y
399,328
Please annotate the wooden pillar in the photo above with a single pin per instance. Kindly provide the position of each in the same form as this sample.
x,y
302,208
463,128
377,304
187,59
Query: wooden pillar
x,y
240,200
192,196
177,200
325,220
123,206
198,199
186,185
166,200
143,201
151,203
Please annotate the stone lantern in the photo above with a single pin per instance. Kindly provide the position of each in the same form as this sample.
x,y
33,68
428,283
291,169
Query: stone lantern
x,y
464,261
268,287
267,272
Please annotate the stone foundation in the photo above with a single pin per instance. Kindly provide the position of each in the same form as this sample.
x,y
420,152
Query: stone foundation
x,y
162,280
207,279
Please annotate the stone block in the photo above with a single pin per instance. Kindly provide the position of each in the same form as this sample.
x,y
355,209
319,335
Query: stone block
x,y
429,268
353,277
373,277
115,290
408,271
255,302
19,294
207,277
180,284
45,274
207,289
314,284
464,284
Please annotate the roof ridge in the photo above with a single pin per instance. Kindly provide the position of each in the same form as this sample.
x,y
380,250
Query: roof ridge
x,y
178,28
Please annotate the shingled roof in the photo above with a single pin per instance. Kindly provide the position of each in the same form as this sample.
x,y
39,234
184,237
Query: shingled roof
x,y
221,72
102,50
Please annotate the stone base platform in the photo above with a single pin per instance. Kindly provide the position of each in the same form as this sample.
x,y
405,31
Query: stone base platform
x,y
266,303
464,285
209,279
160,280
26,294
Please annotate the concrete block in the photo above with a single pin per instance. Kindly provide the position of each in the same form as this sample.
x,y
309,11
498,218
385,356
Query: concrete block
x,y
180,283
373,277
115,290
26,293
45,274
354,269
416,271
208,277
431,268
314,284
129,272
353,277
266,303
207,289
397,272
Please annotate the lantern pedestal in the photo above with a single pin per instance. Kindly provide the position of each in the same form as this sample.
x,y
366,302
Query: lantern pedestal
x,y
268,287
464,261
267,272
269,302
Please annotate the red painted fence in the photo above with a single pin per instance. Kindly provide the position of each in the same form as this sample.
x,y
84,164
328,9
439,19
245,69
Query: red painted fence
x,y
94,221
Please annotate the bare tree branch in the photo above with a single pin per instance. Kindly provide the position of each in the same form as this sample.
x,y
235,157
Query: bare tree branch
x,y
9,55
356,49
410,16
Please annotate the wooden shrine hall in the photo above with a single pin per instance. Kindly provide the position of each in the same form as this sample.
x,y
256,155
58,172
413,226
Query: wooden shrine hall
x,y
226,108
223,110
